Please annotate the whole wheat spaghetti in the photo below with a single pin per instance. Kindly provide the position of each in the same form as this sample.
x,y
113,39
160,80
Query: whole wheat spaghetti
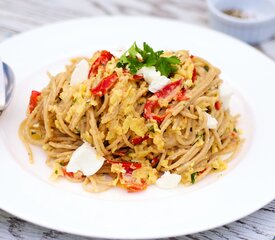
x,y
140,134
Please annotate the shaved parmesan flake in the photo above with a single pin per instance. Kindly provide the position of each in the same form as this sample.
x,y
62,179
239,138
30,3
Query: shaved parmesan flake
x,y
86,160
158,84
212,122
154,78
168,180
226,92
80,72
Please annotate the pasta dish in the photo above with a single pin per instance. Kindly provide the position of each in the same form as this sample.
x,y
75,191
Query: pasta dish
x,y
145,117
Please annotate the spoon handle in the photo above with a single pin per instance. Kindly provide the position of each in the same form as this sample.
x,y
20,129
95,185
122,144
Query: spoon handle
x,y
2,87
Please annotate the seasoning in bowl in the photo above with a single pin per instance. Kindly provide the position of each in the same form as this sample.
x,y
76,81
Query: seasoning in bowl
x,y
238,13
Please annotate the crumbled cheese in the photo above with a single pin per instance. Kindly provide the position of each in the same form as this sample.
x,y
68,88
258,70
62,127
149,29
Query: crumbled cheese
x,y
225,92
212,122
86,160
168,180
80,72
154,78
158,84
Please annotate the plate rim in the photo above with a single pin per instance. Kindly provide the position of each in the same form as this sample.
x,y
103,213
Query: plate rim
x,y
119,17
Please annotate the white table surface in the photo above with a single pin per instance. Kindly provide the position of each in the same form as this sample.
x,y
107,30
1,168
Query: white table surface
x,y
21,15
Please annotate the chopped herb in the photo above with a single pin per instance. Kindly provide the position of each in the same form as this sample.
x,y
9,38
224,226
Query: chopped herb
x,y
135,58
33,132
235,130
193,177
206,68
62,164
151,129
56,172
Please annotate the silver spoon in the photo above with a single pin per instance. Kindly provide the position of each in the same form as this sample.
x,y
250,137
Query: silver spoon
x,y
6,85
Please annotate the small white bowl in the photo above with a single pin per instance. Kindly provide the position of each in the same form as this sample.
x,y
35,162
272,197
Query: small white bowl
x,y
260,27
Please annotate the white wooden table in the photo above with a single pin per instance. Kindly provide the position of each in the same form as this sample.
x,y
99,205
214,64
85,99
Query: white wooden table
x,y
18,16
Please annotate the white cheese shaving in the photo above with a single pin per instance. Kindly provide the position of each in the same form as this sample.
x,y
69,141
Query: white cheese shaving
x,y
80,72
212,122
154,78
86,160
168,180
139,57
225,92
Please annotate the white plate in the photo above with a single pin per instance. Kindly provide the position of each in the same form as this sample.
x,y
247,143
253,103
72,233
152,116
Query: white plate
x,y
246,186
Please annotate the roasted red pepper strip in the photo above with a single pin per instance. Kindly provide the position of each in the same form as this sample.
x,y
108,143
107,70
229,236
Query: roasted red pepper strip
x,y
138,77
181,96
103,59
105,85
194,76
136,187
68,174
33,100
218,105
169,91
128,166
139,140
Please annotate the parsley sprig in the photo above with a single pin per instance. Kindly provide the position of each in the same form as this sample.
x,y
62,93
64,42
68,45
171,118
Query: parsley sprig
x,y
135,58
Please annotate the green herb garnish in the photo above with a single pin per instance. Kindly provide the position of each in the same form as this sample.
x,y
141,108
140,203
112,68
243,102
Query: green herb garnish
x,y
193,177
206,68
151,129
56,172
135,58
235,130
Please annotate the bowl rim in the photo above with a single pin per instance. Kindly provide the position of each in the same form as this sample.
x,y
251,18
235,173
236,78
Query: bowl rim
x,y
220,14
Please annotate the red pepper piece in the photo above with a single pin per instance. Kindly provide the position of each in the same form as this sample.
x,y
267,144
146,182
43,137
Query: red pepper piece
x,y
159,118
128,166
105,85
68,174
130,183
138,77
218,105
202,171
131,166
194,76
139,140
169,91
33,100
154,161
136,187
181,96
150,105
103,59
